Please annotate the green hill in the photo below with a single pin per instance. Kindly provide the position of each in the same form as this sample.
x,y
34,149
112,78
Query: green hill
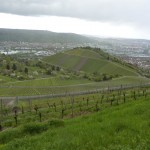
x,y
41,36
89,60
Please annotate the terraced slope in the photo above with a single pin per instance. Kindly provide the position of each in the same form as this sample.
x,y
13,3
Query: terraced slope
x,y
89,61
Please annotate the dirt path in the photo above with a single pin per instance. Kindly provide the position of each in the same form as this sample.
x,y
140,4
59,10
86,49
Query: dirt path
x,y
81,64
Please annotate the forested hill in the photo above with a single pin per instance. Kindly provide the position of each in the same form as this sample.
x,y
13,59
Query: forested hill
x,y
41,36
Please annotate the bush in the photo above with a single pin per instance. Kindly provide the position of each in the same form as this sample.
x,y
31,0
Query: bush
x,y
9,135
54,73
35,73
98,79
21,78
56,123
49,71
34,128
12,75
8,123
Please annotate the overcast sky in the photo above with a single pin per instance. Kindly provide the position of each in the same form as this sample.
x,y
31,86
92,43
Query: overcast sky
x,y
110,18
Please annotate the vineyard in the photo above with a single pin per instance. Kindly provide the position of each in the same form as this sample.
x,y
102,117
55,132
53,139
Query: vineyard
x,y
51,86
90,64
18,112
78,99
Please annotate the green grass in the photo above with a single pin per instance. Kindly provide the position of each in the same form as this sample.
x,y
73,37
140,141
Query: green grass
x,y
5,79
84,52
56,81
107,67
57,86
53,81
89,61
122,127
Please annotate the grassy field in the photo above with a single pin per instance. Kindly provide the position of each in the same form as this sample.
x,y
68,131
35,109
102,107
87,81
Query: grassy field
x,y
53,81
113,127
84,52
57,86
89,61
4,79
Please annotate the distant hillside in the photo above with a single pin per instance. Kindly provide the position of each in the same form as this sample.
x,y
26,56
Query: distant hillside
x,y
89,60
17,35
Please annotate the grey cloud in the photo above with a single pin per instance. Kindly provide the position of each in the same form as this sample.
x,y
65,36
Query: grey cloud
x,y
116,11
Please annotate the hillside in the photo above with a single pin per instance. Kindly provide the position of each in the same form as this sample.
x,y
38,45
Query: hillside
x,y
123,126
90,61
40,36
43,78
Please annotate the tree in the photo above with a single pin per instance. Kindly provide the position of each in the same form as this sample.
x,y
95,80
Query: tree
x,y
14,67
104,77
53,67
58,68
8,67
26,70
49,71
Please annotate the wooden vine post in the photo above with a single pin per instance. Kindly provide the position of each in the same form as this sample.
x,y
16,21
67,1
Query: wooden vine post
x,y
54,107
0,126
72,107
87,101
102,99
36,108
22,109
62,113
1,104
40,116
124,97
96,106
16,119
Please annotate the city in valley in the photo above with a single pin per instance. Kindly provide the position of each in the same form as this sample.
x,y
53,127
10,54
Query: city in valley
x,y
136,52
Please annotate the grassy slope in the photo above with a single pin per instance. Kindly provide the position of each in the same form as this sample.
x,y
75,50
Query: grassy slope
x,y
122,127
36,86
56,81
94,62
53,81
84,52
4,79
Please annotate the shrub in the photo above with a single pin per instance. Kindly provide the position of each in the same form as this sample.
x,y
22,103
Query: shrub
x,y
54,73
8,123
35,73
49,71
34,128
21,77
9,135
56,123
12,75
98,79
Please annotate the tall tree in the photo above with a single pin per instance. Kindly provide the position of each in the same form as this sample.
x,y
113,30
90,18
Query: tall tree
x,y
14,67
8,67
26,70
